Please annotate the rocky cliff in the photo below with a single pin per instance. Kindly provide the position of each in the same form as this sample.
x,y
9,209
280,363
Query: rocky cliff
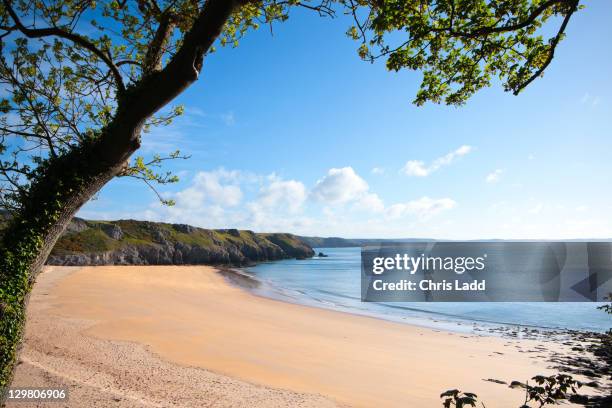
x,y
130,242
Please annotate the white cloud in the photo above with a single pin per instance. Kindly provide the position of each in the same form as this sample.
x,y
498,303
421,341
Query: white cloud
x,y
343,186
278,206
419,168
289,194
340,186
378,170
218,187
416,168
371,202
494,176
235,199
423,207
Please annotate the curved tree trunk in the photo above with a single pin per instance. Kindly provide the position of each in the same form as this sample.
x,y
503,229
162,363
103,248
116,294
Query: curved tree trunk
x,y
60,186
64,186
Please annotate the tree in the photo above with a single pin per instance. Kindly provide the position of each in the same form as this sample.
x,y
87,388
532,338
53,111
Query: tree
x,y
83,79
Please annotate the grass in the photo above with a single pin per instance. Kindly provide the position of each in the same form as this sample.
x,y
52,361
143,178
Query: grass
x,y
89,240
94,239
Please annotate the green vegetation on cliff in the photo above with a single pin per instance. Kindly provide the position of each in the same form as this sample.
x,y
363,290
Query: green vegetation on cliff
x,y
143,242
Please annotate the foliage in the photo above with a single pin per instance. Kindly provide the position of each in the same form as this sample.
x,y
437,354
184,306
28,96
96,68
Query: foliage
x,y
61,96
145,171
549,390
460,46
458,399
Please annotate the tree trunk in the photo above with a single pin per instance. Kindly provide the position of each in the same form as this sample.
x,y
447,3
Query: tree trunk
x,y
60,187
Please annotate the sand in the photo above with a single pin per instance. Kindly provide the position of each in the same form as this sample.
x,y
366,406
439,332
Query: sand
x,y
184,337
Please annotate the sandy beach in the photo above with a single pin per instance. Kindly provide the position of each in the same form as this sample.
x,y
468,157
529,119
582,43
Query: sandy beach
x,y
184,337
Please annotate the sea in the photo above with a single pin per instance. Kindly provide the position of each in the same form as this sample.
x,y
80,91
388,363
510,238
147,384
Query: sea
x,y
333,282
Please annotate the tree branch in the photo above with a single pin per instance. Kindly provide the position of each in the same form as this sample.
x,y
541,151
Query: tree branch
x,y
155,91
75,38
551,54
323,8
153,58
505,28
18,132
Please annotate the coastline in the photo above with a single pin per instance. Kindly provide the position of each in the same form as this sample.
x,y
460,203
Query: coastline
x,y
333,282
434,320
187,328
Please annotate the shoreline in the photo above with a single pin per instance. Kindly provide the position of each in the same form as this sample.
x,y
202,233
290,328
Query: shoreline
x,y
250,283
175,320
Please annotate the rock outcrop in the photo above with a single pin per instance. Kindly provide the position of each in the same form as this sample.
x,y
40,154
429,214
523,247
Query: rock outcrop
x,y
130,242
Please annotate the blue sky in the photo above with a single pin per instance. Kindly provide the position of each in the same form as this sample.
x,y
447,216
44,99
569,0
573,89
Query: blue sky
x,y
293,132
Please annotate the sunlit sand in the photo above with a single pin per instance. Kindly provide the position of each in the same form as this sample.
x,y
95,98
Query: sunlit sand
x,y
183,336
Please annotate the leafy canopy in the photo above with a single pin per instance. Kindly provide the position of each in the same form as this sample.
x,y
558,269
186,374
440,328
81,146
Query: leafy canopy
x,y
461,45
66,65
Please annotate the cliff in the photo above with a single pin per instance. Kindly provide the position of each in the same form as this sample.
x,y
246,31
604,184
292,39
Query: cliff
x,y
130,242
331,242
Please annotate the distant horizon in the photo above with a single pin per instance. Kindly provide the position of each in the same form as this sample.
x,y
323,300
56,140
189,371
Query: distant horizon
x,y
379,238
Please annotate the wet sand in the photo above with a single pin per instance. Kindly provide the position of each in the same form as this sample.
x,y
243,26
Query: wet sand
x,y
183,336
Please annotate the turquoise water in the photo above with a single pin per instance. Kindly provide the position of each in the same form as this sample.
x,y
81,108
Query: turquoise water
x,y
334,283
